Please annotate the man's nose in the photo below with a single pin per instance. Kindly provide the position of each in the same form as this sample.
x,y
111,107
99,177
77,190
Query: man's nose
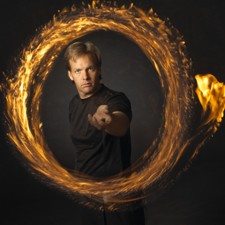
x,y
85,75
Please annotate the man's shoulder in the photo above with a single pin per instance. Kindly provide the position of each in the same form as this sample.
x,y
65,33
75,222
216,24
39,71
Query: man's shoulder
x,y
73,101
115,99
75,98
110,93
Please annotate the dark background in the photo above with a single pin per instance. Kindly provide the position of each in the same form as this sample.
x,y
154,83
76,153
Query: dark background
x,y
197,198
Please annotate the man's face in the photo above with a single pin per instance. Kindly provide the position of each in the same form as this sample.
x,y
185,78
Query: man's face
x,y
85,75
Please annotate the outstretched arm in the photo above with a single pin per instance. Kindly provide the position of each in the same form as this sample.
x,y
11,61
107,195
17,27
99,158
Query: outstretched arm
x,y
115,123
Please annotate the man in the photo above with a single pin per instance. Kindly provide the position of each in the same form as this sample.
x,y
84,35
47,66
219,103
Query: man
x,y
100,125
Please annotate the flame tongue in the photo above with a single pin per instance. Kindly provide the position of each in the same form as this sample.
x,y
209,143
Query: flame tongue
x,y
211,95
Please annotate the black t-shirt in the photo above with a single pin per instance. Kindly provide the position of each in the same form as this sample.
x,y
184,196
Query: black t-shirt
x,y
97,152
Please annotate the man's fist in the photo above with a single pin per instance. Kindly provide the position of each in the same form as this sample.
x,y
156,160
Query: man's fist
x,y
101,118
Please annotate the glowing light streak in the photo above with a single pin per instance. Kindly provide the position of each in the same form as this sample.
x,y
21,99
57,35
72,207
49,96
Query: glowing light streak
x,y
164,48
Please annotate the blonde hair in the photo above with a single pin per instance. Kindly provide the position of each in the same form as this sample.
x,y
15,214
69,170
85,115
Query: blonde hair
x,y
77,49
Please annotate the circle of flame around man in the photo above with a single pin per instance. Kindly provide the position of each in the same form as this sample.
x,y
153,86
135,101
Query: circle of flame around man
x,y
165,49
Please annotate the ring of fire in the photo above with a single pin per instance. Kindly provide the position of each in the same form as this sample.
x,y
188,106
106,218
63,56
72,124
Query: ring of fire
x,y
164,48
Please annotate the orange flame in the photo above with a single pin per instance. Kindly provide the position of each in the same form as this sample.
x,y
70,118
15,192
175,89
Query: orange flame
x,y
211,94
164,48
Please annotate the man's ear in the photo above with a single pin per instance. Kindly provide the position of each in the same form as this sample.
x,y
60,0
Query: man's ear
x,y
70,75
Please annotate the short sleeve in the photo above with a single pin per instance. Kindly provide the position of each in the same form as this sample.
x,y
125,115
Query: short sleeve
x,y
120,102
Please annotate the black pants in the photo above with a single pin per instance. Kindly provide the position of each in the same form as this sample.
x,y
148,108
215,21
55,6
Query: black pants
x,y
89,216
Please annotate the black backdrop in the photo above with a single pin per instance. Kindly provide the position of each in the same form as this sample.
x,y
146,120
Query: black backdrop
x,y
198,196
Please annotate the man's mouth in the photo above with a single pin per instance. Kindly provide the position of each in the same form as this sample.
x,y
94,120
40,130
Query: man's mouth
x,y
87,85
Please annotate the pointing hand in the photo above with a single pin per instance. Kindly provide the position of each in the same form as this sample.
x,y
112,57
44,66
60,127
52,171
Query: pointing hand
x,y
101,118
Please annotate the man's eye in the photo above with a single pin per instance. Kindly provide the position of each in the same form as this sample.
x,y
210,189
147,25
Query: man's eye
x,y
92,69
77,71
